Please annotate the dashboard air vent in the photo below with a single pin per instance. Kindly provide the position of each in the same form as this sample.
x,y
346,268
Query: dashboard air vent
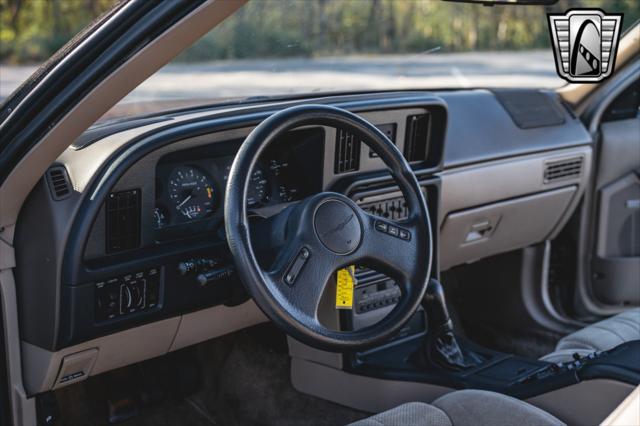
x,y
347,158
122,211
59,183
416,138
563,169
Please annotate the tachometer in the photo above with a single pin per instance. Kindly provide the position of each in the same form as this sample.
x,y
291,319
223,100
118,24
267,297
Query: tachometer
x,y
191,192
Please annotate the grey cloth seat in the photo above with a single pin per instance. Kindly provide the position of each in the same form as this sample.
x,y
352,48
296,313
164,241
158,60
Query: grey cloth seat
x,y
461,408
601,336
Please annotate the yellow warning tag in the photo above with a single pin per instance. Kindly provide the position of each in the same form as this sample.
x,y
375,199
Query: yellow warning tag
x,y
345,281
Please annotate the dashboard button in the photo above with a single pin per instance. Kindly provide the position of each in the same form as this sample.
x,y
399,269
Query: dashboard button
x,y
297,265
381,226
125,299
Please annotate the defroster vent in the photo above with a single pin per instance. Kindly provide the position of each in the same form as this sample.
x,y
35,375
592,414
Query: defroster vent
x,y
563,169
58,181
123,220
347,158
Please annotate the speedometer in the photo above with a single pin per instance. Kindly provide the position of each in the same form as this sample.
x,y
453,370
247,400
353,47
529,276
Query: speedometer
x,y
191,192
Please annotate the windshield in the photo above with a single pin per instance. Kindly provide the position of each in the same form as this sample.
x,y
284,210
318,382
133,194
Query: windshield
x,y
286,47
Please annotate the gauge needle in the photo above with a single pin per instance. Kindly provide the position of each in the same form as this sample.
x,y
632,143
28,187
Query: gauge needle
x,y
184,201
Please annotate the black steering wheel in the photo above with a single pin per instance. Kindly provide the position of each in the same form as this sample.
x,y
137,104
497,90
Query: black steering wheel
x,y
326,232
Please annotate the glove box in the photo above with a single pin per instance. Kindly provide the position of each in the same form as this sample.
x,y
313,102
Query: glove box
x,y
470,234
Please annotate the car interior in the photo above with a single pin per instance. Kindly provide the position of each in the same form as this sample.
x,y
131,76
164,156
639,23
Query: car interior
x,y
427,257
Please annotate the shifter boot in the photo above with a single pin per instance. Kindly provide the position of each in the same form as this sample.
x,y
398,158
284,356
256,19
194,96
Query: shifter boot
x,y
441,347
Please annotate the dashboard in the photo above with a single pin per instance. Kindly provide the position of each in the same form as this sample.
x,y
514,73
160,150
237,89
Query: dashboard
x,y
137,245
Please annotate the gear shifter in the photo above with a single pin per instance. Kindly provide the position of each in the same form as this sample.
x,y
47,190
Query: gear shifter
x,y
441,346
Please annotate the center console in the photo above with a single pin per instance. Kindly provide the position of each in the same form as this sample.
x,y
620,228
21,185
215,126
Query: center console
x,y
437,356
508,374
403,359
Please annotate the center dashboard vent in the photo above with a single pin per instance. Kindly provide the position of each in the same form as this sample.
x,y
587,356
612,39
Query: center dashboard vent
x,y
416,137
563,169
347,156
58,181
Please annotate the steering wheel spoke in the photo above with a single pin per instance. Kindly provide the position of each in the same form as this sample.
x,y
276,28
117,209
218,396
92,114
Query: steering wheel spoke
x,y
392,247
302,278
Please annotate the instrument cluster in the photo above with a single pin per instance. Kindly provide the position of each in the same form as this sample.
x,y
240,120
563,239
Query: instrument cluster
x,y
190,184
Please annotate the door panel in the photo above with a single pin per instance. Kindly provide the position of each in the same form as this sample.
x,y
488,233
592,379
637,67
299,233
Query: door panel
x,y
616,260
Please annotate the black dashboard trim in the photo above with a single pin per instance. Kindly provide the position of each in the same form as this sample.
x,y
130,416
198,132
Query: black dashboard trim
x,y
127,155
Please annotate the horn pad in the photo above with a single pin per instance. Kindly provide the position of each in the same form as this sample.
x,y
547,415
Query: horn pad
x,y
338,226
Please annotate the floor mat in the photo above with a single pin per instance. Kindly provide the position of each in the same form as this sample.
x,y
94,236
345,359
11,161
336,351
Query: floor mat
x,y
80,406
243,379
253,384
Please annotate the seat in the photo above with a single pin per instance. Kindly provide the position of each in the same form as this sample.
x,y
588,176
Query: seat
x,y
461,408
601,336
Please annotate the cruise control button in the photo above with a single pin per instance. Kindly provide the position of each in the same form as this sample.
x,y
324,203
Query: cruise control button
x,y
404,234
304,253
296,266
393,230
381,226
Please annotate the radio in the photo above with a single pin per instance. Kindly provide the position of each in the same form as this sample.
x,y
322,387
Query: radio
x,y
377,296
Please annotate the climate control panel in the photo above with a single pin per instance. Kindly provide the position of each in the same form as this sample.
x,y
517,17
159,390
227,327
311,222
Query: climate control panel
x,y
389,208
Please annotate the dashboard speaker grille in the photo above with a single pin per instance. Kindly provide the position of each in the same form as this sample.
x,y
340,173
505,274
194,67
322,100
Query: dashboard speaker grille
x,y
563,169
530,109
123,220
59,183
347,157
